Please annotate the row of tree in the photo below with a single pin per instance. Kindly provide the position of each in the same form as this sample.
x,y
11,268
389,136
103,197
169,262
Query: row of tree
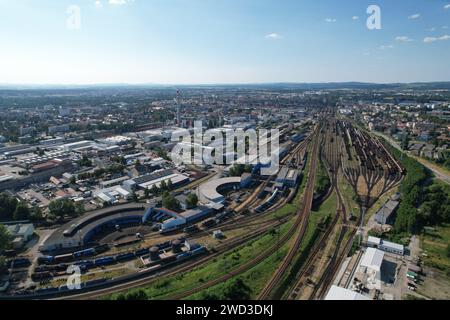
x,y
238,169
12,209
235,289
98,173
60,209
422,204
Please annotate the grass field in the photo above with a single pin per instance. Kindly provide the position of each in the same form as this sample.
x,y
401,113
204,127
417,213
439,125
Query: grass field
x,y
327,208
255,278
167,286
434,244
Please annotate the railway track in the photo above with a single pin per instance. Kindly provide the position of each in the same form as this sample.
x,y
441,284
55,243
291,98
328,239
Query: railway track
x,y
144,279
331,161
299,226
331,157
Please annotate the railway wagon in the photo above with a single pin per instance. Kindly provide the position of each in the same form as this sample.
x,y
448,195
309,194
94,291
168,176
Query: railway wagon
x,y
86,263
183,256
104,261
94,282
58,267
84,253
46,260
142,252
63,258
125,256
39,276
101,248
18,262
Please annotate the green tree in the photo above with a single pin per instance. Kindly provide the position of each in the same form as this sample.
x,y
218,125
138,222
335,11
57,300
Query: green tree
x,y
36,214
85,161
191,200
169,202
2,264
5,238
58,209
22,212
7,206
237,290
154,190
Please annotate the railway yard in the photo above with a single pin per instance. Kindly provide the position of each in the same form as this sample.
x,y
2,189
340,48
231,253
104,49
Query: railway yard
x,y
303,238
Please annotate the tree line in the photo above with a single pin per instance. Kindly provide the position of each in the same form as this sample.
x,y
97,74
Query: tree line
x,y
423,202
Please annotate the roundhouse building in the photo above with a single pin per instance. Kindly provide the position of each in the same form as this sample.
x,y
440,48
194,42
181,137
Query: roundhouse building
x,y
79,232
210,191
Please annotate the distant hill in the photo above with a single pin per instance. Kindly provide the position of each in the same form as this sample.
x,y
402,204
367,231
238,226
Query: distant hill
x,y
264,86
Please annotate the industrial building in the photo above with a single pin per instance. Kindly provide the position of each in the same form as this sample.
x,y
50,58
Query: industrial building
x,y
384,215
287,177
210,190
79,232
20,233
339,293
156,178
170,220
387,246
370,268
38,173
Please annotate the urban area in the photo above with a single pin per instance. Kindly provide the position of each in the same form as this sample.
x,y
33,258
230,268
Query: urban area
x,y
93,207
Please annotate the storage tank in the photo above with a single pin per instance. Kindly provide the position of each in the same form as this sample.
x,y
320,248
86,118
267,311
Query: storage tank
x,y
154,253
176,246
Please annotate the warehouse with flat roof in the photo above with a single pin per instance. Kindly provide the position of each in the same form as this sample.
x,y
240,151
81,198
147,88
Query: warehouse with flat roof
x,y
339,293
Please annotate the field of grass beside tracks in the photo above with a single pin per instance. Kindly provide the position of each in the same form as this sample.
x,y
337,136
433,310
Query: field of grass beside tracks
x,y
255,278
168,286
327,208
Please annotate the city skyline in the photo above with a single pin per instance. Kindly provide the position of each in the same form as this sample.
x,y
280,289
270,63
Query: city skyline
x,y
222,42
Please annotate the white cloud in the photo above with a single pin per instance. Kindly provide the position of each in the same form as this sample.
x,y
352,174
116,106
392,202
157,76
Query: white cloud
x,y
403,39
98,4
384,47
444,27
414,16
355,18
273,35
330,20
447,6
119,2
434,39
431,29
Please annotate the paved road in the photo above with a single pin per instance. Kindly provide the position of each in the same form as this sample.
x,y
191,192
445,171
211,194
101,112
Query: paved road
x,y
439,173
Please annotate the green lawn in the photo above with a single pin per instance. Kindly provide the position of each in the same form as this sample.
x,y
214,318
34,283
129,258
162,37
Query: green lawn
x,y
434,244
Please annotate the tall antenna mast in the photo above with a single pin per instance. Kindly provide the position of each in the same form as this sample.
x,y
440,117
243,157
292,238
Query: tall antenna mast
x,y
177,100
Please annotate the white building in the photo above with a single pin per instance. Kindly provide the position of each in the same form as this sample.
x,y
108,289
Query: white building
x,y
386,245
21,233
338,293
370,266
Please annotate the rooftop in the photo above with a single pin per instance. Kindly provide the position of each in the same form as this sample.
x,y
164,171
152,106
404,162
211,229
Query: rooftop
x,y
338,293
209,188
373,258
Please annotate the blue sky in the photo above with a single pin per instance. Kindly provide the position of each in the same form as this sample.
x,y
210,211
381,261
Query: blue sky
x,y
223,41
